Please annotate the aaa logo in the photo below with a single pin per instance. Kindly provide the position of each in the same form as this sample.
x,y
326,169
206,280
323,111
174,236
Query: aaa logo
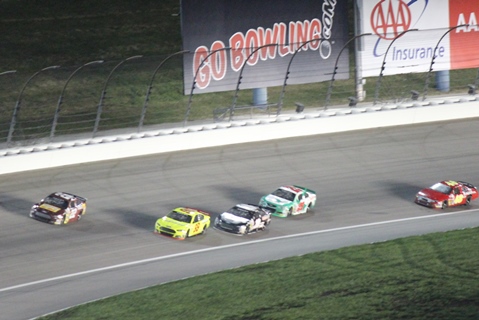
x,y
389,18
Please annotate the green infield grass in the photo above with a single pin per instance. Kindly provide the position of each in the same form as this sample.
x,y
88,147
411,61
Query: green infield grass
x,y
433,276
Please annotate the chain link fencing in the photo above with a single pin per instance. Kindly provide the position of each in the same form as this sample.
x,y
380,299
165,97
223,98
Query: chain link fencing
x,y
143,93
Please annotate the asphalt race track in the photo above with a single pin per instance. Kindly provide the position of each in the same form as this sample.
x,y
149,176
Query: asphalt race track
x,y
365,180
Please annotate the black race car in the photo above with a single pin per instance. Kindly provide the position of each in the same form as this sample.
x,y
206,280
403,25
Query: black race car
x,y
244,218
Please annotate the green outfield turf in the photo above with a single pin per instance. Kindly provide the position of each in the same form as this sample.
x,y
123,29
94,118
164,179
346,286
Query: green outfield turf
x,y
434,276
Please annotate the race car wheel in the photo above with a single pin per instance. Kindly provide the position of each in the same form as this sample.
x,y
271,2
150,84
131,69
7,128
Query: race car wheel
x,y
468,201
309,207
444,205
290,212
204,230
188,234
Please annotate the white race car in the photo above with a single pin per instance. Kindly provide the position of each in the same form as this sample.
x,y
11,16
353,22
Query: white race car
x,y
244,219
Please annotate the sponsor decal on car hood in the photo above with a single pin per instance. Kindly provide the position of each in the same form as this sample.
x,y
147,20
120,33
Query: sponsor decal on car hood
x,y
277,200
231,218
50,208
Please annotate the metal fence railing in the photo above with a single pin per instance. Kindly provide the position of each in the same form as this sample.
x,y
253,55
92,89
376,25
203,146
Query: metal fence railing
x,y
140,93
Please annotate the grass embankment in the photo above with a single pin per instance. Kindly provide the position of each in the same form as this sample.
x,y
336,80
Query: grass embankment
x,y
429,277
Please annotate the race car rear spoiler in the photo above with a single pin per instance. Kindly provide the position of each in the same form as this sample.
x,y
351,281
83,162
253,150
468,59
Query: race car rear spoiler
x,y
81,198
467,184
306,189
200,211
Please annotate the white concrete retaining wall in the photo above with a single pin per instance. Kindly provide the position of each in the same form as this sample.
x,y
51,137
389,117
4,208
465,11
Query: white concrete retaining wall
x,y
183,138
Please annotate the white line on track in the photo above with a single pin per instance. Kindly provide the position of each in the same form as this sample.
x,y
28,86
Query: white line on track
x,y
132,263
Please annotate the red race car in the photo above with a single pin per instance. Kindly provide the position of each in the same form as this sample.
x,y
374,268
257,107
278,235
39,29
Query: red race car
x,y
447,194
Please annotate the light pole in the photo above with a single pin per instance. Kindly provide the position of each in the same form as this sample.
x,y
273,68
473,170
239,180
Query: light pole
x,y
7,72
330,88
150,86
17,105
60,99
193,85
426,86
286,76
235,98
103,93
376,93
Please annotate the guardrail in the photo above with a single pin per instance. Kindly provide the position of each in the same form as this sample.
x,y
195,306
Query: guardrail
x,y
39,113
222,114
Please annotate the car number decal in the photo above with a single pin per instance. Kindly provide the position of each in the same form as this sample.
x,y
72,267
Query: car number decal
x,y
459,199
300,206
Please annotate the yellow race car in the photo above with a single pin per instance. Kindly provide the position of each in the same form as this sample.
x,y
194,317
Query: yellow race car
x,y
182,223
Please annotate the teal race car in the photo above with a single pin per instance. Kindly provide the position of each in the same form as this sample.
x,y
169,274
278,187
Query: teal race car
x,y
289,200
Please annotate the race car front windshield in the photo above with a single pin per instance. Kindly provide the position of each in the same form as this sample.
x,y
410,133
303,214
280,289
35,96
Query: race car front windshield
x,y
442,188
57,202
284,194
175,215
241,212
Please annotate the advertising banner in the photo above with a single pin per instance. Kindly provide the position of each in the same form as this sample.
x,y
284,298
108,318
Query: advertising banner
x,y
464,40
258,39
407,34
